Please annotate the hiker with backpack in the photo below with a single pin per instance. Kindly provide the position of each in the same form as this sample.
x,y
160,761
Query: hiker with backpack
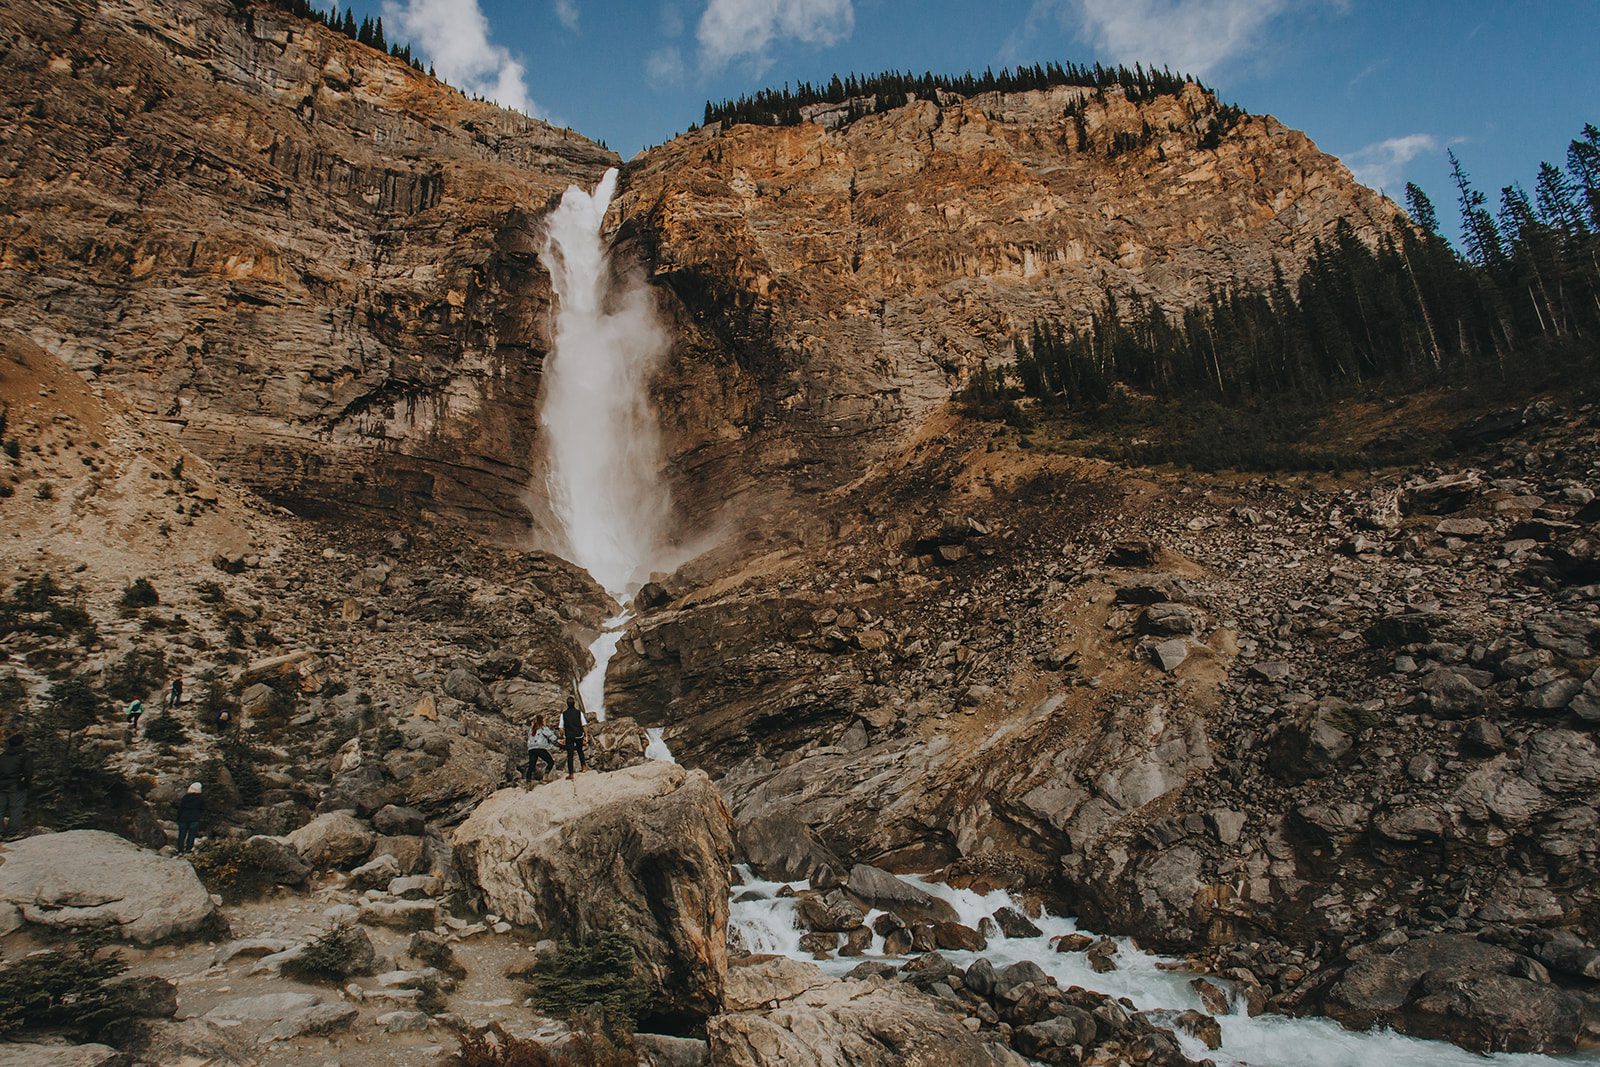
x,y
135,712
572,727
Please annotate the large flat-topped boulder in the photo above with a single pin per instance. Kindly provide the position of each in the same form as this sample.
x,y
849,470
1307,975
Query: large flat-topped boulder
x,y
647,849
89,879
792,1013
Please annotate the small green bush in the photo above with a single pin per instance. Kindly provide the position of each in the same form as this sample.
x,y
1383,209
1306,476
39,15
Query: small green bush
x,y
139,593
240,760
599,971
333,956
239,870
137,674
71,988
165,729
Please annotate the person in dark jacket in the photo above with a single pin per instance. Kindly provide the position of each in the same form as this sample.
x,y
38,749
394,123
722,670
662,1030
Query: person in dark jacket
x,y
191,809
175,692
16,775
572,728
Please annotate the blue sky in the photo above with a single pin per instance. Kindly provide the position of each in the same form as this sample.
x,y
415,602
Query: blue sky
x,y
1387,85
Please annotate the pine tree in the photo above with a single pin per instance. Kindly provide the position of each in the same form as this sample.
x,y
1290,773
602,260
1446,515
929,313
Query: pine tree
x,y
1583,162
1477,225
377,35
1421,208
1556,196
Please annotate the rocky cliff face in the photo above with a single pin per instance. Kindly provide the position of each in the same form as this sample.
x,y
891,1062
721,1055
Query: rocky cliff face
x,y
319,266
847,279
314,264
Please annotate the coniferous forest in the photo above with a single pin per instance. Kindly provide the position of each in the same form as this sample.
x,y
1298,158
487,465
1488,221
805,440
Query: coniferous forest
x,y
1521,296
872,93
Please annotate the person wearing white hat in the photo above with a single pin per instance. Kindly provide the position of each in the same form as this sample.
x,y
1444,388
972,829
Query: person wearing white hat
x,y
191,809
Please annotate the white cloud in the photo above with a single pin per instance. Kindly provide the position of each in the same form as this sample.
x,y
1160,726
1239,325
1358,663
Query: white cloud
x,y
1382,165
567,14
664,67
1190,36
731,29
455,36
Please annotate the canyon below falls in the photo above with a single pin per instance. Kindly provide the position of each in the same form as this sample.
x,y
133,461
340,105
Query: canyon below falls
x,y
927,739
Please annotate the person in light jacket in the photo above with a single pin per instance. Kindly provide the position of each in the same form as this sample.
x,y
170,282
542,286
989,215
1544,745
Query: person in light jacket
x,y
542,743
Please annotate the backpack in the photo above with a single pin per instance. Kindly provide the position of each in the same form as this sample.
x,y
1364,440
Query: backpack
x,y
15,768
572,722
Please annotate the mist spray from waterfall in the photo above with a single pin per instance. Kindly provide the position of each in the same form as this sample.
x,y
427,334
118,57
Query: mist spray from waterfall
x,y
602,437
602,440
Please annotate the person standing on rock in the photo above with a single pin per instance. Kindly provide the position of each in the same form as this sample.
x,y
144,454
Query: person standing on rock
x,y
16,774
191,809
542,744
175,692
572,727
135,711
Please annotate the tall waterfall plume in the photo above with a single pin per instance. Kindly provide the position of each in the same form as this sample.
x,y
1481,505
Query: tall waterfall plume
x,y
603,442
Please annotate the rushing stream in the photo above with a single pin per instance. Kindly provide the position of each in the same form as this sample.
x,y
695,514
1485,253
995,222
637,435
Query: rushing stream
x,y
766,923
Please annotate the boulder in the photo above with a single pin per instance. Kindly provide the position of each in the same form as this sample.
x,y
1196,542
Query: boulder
x,y
614,744
375,873
40,1054
1168,620
1441,496
400,914
663,1050
315,1021
877,888
1169,655
1562,761
394,820
830,912
1310,746
89,879
781,847
803,1018
647,849
1153,589
464,686
957,937
1013,923
192,1041
1456,988
334,839
1451,695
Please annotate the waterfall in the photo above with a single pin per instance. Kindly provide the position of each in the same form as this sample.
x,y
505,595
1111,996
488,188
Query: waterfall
x,y
602,441
600,430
